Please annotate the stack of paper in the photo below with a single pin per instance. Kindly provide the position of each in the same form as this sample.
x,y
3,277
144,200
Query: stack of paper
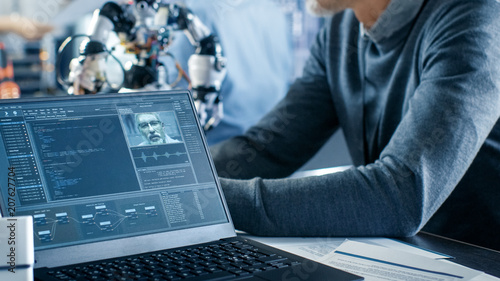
x,y
380,263
378,258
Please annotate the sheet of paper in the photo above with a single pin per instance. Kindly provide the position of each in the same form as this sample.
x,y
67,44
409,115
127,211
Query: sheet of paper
x,y
398,245
379,263
311,248
316,247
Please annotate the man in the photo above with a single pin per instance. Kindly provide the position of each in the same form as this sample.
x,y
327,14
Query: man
x,y
152,129
256,42
415,85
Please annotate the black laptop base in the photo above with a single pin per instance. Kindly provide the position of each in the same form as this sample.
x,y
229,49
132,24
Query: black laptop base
x,y
229,259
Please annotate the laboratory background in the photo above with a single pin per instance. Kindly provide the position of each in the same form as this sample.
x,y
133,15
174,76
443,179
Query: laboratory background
x,y
37,64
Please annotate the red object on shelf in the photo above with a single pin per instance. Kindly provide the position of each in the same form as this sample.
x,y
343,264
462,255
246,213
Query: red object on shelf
x,y
8,88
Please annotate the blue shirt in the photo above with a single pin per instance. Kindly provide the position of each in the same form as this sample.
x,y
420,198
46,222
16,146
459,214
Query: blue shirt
x,y
256,42
420,110
397,14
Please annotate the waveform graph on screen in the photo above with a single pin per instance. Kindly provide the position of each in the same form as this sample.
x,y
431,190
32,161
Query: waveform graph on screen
x,y
159,155
145,157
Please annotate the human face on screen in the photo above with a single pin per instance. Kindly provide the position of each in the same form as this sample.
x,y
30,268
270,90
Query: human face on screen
x,y
151,128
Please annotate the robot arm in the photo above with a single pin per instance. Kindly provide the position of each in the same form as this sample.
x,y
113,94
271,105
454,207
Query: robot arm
x,y
111,17
87,71
145,29
207,68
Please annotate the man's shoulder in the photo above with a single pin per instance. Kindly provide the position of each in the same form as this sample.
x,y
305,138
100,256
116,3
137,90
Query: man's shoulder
x,y
468,10
442,20
452,4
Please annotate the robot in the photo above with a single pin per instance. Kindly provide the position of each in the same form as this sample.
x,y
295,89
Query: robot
x,y
145,29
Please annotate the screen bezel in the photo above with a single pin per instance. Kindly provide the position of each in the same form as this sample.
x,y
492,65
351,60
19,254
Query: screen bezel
x,y
137,244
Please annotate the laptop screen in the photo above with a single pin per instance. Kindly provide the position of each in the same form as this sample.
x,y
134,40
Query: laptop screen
x,y
105,167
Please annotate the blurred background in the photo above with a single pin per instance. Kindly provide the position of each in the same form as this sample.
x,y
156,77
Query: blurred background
x,y
34,61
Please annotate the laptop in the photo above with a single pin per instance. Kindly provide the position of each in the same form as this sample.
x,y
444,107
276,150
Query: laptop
x,y
117,178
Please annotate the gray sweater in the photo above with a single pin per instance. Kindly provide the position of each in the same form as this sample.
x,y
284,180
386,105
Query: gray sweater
x,y
418,99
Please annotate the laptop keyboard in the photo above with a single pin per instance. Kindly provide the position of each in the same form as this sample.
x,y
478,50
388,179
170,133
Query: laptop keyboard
x,y
222,260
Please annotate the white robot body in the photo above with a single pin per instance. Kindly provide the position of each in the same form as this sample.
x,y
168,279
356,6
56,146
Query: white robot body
x,y
145,29
203,71
100,27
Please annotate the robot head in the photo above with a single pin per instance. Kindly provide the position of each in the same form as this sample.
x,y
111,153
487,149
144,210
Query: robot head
x,y
145,10
150,3
92,48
